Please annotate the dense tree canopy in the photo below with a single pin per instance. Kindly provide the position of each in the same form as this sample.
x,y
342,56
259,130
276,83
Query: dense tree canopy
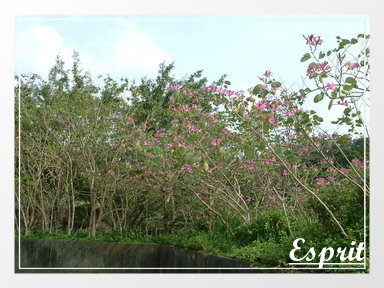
x,y
167,154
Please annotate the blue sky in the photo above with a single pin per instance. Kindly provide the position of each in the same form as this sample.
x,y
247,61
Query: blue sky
x,y
243,47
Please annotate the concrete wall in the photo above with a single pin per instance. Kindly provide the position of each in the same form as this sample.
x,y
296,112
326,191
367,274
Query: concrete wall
x,y
47,253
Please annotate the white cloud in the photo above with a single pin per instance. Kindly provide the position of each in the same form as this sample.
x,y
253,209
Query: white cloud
x,y
37,48
134,49
123,49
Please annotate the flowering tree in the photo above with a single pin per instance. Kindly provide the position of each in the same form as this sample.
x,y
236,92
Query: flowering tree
x,y
179,152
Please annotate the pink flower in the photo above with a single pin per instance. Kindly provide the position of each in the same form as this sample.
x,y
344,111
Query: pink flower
x,y
111,172
260,105
332,170
211,170
321,67
147,143
216,142
267,73
192,127
344,170
331,86
196,164
271,119
316,69
311,70
270,161
313,40
169,145
130,120
321,181
186,168
285,172
174,87
195,106
357,162
150,155
352,65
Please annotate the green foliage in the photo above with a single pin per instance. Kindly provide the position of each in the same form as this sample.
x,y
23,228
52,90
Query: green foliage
x,y
306,57
318,97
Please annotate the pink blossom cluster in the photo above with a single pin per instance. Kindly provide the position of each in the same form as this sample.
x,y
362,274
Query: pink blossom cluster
x,y
357,162
212,117
193,128
316,69
260,105
321,181
130,120
216,142
270,161
186,168
161,133
220,90
176,87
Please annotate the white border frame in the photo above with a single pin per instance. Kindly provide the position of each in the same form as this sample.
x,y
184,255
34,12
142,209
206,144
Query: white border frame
x,y
281,7
363,18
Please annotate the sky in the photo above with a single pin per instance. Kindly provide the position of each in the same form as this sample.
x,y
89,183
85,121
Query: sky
x,y
242,47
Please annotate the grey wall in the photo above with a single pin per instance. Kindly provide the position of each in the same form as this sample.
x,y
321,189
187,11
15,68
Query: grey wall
x,y
48,253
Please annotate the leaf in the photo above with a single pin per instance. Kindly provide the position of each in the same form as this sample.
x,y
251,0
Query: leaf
x,y
330,104
343,139
227,82
347,111
264,93
276,85
256,90
347,87
343,43
321,55
351,81
306,57
206,166
318,97
318,118
289,121
354,41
